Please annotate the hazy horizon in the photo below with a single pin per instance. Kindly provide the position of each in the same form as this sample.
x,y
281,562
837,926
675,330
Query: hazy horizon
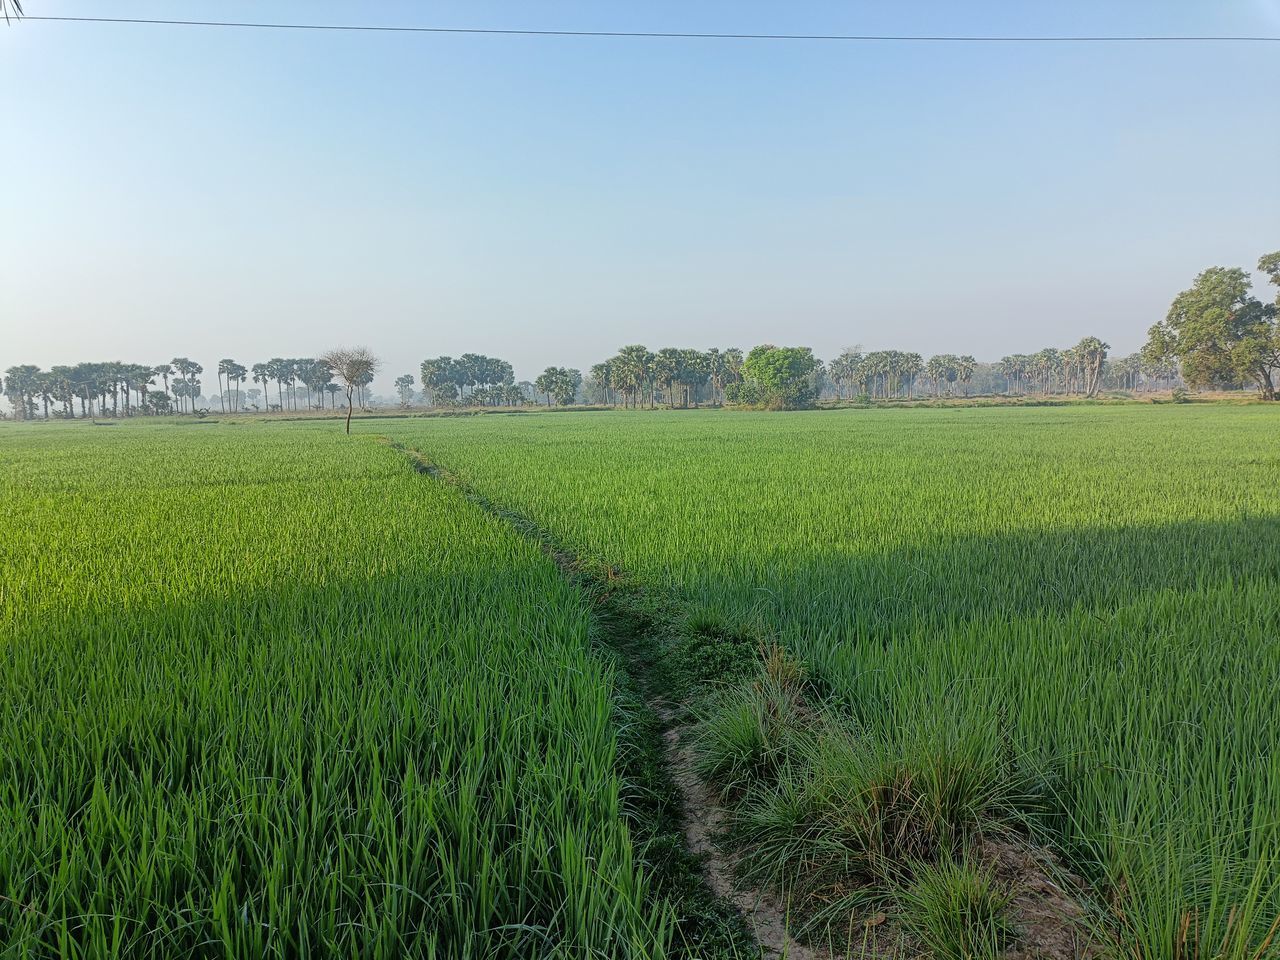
x,y
217,192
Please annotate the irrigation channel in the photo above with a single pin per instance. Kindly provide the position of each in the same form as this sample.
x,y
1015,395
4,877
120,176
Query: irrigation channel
x,y
666,669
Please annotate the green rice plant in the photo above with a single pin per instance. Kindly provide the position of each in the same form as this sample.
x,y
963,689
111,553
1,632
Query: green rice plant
x,y
265,692
1089,596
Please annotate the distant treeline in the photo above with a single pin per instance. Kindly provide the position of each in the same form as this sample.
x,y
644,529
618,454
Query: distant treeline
x,y
634,377
1216,334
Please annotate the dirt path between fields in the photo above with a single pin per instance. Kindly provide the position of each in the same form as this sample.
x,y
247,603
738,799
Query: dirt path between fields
x,y
704,820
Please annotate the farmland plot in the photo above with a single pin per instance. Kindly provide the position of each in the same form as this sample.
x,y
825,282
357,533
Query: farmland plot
x,y
1082,604
268,692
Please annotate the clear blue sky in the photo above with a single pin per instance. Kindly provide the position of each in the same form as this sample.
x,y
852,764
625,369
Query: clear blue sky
x,y
172,190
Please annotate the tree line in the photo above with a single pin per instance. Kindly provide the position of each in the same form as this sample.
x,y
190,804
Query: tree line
x,y
1216,334
634,377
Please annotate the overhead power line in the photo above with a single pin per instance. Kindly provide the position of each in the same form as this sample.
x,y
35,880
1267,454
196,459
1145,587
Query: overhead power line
x,y
664,35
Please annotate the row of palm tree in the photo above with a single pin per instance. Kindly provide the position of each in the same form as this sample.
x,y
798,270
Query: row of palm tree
x,y
98,389
1075,369
636,375
472,379
115,389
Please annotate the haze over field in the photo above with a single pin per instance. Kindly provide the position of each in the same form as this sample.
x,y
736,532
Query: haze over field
x,y
256,193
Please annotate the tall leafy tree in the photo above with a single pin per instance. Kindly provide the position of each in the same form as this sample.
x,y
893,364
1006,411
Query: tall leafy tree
x,y
965,371
1219,333
713,362
545,381
780,375
63,378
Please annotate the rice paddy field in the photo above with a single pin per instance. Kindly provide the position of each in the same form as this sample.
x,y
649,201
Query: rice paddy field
x,y
269,691
1081,602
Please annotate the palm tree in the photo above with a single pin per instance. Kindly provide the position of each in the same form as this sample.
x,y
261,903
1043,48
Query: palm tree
x,y
632,370
236,376
137,378
261,373
912,364
20,385
188,370
164,371
964,371
1091,352
600,375
64,389
44,387
279,368
665,370
225,369
693,374
365,380
404,388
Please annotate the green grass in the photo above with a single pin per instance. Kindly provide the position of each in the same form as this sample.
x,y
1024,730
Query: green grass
x,y
1084,601
957,911
267,692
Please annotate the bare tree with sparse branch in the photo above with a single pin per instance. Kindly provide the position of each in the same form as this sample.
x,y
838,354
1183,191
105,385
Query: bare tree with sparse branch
x,y
352,367
8,7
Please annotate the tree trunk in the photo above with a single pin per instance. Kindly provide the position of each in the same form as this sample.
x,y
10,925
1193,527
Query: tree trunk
x,y
348,411
1266,384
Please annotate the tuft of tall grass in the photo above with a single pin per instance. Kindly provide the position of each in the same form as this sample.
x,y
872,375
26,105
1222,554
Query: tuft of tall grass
x,y
957,910
828,816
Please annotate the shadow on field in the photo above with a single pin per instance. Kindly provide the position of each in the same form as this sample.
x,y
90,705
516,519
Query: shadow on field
x,y
418,759
1025,575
